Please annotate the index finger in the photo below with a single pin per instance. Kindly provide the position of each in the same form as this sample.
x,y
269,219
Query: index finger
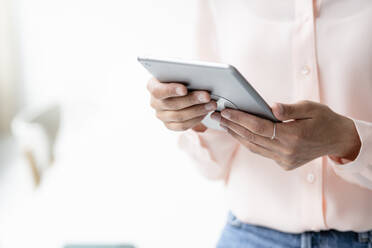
x,y
253,123
165,90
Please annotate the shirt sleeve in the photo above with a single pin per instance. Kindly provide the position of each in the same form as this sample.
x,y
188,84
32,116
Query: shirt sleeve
x,y
358,171
213,151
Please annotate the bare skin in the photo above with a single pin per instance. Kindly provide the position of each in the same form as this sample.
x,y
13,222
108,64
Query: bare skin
x,y
310,130
177,108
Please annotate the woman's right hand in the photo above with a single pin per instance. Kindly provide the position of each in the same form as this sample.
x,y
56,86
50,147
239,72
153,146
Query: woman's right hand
x,y
178,109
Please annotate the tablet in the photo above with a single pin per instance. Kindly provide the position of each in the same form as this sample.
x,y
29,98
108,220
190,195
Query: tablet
x,y
224,83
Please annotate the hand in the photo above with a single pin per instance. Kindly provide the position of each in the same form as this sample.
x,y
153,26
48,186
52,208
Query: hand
x,y
310,130
178,109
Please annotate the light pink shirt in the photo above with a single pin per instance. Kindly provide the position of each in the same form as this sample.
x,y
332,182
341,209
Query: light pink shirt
x,y
292,50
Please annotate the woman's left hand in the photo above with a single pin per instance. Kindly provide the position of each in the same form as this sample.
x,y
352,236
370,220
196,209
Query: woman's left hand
x,y
310,130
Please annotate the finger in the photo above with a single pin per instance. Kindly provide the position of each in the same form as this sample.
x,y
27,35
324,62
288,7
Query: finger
x,y
299,110
254,147
253,123
183,126
216,116
187,113
272,145
165,90
177,103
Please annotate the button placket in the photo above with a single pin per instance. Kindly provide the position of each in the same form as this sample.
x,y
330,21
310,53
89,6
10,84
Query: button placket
x,y
306,81
304,52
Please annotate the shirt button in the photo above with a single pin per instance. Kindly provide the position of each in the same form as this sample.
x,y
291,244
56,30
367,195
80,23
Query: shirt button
x,y
310,177
305,70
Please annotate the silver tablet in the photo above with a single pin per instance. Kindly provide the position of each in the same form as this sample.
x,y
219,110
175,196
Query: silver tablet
x,y
224,82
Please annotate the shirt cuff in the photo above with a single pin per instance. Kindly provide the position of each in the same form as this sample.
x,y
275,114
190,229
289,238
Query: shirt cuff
x,y
364,157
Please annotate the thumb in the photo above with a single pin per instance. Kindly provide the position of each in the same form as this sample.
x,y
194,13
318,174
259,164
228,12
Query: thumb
x,y
284,112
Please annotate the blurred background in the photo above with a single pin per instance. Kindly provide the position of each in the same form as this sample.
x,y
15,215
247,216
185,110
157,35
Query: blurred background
x,y
82,157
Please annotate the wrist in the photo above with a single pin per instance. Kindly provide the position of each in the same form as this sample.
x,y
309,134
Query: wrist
x,y
349,144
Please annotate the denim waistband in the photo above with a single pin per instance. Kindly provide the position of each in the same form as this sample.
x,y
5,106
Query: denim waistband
x,y
363,237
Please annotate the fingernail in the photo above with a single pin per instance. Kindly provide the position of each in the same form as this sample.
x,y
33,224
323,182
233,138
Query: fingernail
x,y
202,98
210,106
180,91
216,117
226,114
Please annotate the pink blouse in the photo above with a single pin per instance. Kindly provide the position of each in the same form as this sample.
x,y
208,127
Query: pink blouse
x,y
292,50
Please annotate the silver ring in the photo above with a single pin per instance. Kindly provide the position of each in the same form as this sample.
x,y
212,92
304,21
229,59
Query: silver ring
x,y
274,132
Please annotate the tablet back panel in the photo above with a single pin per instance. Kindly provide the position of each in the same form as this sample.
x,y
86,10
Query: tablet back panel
x,y
219,79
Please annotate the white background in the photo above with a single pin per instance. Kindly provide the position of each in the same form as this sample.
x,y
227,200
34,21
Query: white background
x,y
119,175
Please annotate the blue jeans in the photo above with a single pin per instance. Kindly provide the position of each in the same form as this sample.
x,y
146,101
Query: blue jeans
x,y
241,235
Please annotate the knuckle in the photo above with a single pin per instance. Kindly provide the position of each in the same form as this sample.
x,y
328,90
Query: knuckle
x,y
182,126
157,104
282,149
281,164
176,126
290,152
152,103
176,116
169,104
169,126
156,92
286,167
249,136
257,127
292,162
252,148
150,85
159,115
